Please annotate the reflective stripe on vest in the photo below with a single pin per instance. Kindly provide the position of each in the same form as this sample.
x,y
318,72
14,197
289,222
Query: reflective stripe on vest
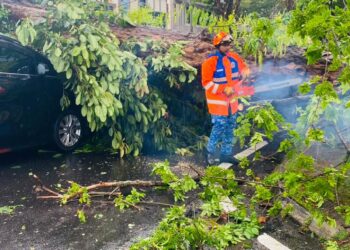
x,y
215,89
217,102
222,80
209,85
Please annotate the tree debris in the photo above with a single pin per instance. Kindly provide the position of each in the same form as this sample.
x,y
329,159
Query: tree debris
x,y
115,184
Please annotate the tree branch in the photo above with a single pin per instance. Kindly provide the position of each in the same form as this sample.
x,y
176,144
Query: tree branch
x,y
116,184
347,147
39,182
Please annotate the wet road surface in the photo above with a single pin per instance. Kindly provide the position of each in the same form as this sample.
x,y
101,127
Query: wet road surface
x,y
40,224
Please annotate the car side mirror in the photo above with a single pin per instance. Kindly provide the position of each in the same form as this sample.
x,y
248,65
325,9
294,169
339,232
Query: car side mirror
x,y
23,70
42,68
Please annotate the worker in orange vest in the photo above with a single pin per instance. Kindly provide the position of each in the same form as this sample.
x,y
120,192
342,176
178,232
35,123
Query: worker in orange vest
x,y
223,74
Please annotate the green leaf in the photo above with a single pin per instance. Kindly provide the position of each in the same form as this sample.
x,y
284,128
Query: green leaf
x,y
119,105
285,146
8,209
304,88
85,53
76,51
93,41
142,107
121,152
82,38
347,105
314,53
81,216
182,77
69,73
262,193
315,135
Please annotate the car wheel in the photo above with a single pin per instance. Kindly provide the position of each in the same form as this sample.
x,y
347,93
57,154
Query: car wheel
x,y
68,130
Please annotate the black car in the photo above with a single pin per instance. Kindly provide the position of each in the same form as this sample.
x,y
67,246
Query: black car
x,y
30,94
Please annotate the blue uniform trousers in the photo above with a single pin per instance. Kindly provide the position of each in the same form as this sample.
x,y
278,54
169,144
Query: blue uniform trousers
x,y
222,131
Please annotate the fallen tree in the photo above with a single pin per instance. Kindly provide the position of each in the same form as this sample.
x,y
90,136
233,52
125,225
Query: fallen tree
x,y
210,217
200,199
302,179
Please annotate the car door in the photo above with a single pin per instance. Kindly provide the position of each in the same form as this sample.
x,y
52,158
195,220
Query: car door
x,y
21,116
51,92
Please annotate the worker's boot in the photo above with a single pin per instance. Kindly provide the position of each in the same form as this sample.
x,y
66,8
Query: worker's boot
x,y
212,159
229,159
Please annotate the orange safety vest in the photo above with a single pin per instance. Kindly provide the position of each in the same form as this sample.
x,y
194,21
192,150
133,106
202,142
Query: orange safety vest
x,y
220,71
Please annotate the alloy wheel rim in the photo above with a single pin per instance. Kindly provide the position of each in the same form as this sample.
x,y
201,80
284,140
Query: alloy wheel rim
x,y
69,131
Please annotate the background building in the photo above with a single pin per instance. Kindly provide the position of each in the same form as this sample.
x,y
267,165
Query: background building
x,y
129,5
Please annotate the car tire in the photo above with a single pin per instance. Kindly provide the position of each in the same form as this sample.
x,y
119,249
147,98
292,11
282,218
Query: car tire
x,y
69,130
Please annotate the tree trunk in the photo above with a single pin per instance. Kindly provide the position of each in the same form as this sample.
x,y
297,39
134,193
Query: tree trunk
x,y
237,8
219,8
290,4
229,8
232,6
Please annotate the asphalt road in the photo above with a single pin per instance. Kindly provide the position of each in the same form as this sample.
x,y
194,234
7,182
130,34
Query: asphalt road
x,y
38,224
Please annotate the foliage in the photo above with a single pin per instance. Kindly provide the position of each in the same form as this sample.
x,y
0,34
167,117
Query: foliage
x,y
302,182
262,35
25,32
130,200
259,37
179,231
258,122
326,25
8,209
319,23
169,75
6,24
217,185
301,179
213,22
109,84
345,211
76,190
265,8
332,245
145,16
164,58
180,72
253,35
176,231
81,216
180,186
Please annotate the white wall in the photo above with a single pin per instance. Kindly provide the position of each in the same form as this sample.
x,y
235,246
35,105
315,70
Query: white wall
x,y
157,5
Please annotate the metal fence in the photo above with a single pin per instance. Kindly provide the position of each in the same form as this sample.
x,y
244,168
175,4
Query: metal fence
x,y
177,11
181,19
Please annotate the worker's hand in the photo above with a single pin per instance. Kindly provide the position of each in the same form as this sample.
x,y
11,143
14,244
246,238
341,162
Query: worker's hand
x,y
240,107
229,91
244,75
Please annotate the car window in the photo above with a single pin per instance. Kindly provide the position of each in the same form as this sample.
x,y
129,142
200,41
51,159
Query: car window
x,y
13,61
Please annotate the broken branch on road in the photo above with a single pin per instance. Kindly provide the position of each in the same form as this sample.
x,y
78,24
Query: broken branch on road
x,y
115,184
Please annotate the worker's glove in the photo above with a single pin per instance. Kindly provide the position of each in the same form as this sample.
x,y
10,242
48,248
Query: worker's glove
x,y
245,75
240,107
229,91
